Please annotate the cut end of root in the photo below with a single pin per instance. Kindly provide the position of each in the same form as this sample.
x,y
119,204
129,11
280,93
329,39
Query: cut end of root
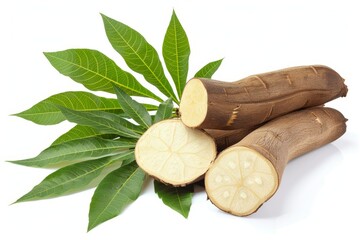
x,y
193,105
240,181
174,153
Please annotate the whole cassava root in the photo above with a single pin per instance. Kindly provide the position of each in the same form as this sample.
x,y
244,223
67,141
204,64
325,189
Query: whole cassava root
x,y
248,173
211,104
178,155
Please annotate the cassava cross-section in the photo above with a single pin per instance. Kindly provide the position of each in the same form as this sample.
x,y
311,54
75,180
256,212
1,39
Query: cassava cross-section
x,y
211,104
248,173
174,153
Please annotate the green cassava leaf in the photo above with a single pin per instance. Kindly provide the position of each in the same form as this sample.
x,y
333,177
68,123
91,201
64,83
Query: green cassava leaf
x,y
138,54
132,108
177,198
96,71
77,151
46,112
117,190
209,69
176,52
106,123
165,111
76,177
81,132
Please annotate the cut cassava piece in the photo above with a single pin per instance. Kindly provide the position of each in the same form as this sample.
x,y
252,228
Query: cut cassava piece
x,y
174,153
248,173
211,104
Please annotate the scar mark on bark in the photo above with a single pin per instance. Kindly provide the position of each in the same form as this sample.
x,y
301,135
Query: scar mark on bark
x,y
237,108
232,118
247,92
225,92
262,81
289,79
317,119
268,115
327,113
314,69
306,103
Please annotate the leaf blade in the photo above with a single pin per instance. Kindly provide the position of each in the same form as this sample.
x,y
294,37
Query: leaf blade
x,y
164,111
134,109
96,71
138,54
209,69
176,52
117,190
75,178
46,112
81,132
106,123
177,198
76,151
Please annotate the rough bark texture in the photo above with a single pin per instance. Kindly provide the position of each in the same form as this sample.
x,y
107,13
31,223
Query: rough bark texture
x,y
226,138
259,98
248,173
295,134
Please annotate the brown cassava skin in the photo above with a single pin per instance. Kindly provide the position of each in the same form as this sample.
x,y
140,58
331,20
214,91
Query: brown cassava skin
x,y
290,136
259,98
226,138
295,134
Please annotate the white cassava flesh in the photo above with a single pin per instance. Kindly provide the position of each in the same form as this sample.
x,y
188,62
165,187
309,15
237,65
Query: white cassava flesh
x,y
240,181
194,102
174,153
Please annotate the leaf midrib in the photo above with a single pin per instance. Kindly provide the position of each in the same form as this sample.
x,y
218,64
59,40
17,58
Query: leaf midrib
x,y
127,132
113,198
87,173
179,200
135,112
177,59
90,150
103,76
79,110
151,71
71,180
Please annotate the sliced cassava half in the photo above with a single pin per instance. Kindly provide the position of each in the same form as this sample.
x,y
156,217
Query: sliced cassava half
x,y
210,104
248,173
174,153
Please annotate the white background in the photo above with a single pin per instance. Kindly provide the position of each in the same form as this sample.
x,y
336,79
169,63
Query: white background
x,y
319,193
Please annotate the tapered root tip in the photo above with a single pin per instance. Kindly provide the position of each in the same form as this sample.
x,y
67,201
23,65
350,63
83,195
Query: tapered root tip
x,y
240,181
193,105
174,153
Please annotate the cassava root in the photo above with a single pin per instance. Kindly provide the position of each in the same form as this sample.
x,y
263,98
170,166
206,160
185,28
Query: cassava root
x,y
210,104
248,173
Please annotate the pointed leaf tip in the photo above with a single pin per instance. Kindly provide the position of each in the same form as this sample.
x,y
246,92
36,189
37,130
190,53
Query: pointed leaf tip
x,y
116,191
134,109
138,54
164,111
76,177
209,69
46,111
96,71
177,198
176,52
